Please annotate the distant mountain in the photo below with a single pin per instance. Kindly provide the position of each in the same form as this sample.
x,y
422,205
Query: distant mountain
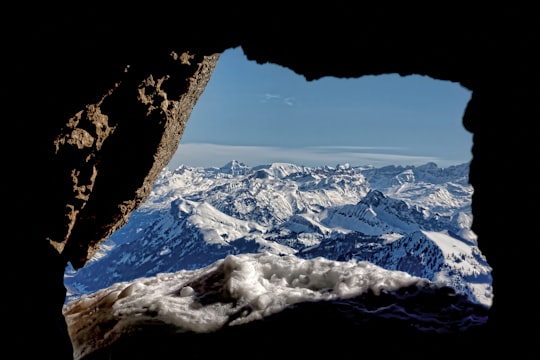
x,y
413,219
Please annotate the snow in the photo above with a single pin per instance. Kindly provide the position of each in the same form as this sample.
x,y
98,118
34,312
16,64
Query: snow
x,y
289,213
265,283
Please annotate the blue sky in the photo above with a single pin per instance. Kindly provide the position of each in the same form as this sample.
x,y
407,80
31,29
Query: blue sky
x,y
259,114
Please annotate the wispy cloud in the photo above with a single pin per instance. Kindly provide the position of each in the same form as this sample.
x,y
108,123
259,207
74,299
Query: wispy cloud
x,y
265,98
289,101
215,155
268,97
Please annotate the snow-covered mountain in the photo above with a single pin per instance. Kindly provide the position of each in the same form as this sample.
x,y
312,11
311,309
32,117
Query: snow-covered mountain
x,y
413,219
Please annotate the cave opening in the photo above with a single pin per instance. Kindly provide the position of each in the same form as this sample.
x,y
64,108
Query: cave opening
x,y
254,115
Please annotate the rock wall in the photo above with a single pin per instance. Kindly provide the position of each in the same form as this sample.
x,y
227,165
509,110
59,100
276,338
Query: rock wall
x,y
95,100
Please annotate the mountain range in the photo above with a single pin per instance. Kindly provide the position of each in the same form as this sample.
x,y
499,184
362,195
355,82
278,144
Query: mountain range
x,y
415,219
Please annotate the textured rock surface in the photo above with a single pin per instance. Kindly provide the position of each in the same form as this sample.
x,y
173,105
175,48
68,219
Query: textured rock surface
x,y
95,99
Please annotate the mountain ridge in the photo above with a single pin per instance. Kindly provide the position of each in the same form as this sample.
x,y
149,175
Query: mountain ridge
x,y
195,216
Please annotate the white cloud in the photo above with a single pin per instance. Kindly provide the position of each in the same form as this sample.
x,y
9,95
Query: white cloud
x,y
277,97
215,155
289,101
268,97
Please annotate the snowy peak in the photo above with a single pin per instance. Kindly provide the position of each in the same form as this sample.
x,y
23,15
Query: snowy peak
x,y
441,258
283,170
234,168
430,173
375,214
374,198
217,227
